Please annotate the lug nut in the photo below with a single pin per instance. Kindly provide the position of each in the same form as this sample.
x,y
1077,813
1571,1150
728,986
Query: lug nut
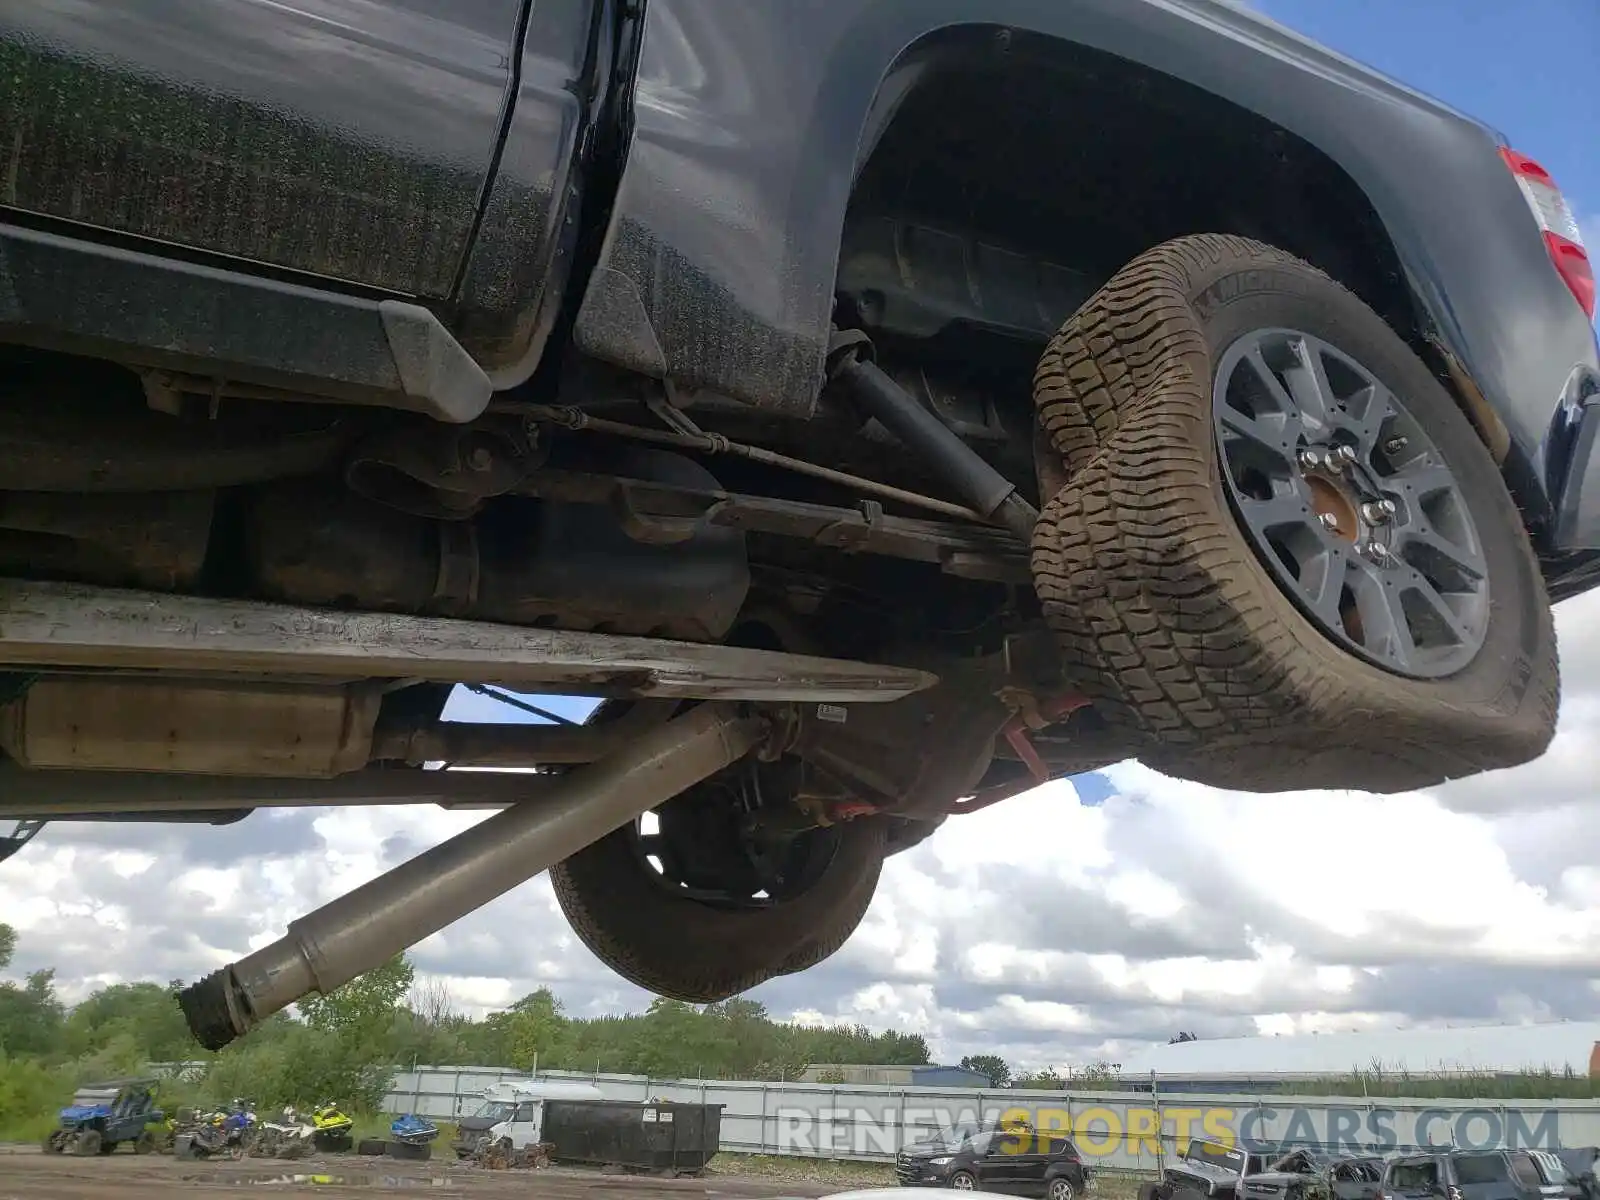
x,y
1310,459
1329,522
1378,511
1346,454
1394,445
1378,552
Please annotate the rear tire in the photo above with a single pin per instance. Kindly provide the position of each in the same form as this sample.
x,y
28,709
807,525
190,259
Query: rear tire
x,y
371,1147
1169,610
692,950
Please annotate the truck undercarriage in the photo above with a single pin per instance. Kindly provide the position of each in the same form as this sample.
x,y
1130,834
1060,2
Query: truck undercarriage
x,y
1017,408
215,600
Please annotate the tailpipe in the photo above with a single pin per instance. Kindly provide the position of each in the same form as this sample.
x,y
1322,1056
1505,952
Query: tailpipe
x,y
365,928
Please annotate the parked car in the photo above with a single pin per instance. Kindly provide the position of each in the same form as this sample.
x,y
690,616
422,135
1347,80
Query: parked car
x,y
1464,1175
1205,1168
1580,1165
1009,1160
936,399
1545,1170
1307,1174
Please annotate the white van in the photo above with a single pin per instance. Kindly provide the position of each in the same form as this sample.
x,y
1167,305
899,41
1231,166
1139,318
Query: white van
x,y
514,1108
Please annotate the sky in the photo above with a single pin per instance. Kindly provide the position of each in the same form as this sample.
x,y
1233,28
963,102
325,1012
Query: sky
x,y
1085,919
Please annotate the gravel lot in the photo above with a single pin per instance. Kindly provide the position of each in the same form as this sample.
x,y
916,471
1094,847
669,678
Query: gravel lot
x,y
27,1174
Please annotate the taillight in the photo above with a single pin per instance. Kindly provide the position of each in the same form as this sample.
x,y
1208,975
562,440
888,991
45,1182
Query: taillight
x,y
1562,238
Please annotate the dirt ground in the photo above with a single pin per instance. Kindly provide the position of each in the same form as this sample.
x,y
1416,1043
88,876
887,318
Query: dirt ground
x,y
27,1174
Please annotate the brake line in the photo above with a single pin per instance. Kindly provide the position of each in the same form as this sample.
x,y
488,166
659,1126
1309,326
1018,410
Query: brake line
x,y
715,443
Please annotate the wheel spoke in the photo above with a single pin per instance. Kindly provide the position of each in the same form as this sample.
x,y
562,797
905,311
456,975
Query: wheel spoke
x,y
1423,480
1377,405
1278,511
1418,586
1385,631
1271,432
1282,401
1308,384
1324,583
1464,559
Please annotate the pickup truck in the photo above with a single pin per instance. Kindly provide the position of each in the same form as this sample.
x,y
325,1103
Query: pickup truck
x,y
1205,1169
882,407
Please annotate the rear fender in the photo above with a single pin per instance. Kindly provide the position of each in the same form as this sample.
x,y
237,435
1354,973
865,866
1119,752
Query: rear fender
x,y
750,123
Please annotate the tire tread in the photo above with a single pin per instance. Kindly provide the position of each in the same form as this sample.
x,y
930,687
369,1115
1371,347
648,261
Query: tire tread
x,y
1141,572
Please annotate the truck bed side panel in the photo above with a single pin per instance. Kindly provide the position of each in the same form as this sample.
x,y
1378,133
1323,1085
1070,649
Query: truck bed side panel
x,y
719,265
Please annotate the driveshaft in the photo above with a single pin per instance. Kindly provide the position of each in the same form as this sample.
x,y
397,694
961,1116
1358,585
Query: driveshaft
x,y
366,927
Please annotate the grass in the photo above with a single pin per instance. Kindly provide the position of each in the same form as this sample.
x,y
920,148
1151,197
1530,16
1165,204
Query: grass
x,y
1526,1085
27,1130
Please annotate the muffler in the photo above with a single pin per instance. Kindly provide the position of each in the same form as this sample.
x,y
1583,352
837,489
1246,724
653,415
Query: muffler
x,y
365,928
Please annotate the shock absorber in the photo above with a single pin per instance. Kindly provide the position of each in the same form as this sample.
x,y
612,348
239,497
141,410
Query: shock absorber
x,y
851,368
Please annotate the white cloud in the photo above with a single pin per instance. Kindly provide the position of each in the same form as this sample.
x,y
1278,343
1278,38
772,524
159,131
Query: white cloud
x,y
1040,929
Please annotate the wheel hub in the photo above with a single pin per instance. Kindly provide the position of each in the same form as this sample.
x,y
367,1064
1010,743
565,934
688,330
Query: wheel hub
x,y
1336,509
705,847
1349,503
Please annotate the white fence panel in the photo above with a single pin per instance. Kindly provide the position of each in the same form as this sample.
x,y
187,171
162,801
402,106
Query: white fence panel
x,y
1116,1129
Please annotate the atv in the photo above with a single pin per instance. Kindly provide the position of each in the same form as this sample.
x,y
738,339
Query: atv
x,y
104,1115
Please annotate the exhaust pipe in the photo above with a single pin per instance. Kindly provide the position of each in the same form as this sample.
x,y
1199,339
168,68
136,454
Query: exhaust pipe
x,y
365,928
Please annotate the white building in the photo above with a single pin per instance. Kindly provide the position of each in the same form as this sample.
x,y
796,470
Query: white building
x,y
1233,1064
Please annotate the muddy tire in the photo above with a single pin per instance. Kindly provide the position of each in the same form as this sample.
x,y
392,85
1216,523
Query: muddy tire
x,y
1326,661
87,1143
901,833
145,1143
371,1147
408,1152
688,949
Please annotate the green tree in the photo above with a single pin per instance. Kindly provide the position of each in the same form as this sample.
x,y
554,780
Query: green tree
x,y
8,944
31,1016
363,1010
992,1065
144,1014
535,1027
